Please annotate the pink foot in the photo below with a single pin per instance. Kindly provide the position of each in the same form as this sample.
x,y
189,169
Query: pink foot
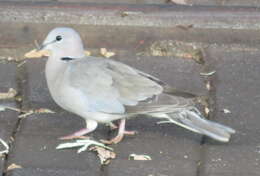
x,y
115,140
77,135
120,135
130,133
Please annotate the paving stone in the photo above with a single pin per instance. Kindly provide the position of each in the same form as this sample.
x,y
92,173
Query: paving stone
x,y
41,131
188,2
48,172
174,150
37,137
23,35
253,3
35,92
237,89
183,74
8,118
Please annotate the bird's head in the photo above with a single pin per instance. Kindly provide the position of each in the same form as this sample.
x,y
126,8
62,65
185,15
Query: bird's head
x,y
63,42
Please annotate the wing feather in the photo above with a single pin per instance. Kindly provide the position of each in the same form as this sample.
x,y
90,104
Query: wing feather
x,y
109,85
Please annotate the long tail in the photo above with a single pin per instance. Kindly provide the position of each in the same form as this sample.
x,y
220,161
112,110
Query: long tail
x,y
193,120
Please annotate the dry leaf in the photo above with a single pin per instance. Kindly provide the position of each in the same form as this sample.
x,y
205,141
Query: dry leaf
x,y
13,166
207,110
208,73
208,86
104,52
6,150
43,110
182,2
127,13
87,53
104,155
10,94
139,157
226,111
37,54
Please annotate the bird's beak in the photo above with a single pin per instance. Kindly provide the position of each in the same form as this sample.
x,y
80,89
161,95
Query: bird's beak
x,y
44,45
40,48
39,52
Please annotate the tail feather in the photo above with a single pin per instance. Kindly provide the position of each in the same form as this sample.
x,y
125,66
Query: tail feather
x,y
194,121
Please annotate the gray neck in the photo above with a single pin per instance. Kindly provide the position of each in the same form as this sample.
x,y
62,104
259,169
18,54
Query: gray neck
x,y
53,68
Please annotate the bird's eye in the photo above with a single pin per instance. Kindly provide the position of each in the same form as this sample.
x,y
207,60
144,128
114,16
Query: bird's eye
x,y
58,38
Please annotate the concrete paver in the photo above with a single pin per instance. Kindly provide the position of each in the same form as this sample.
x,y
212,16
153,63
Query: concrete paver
x,y
37,137
236,89
174,150
38,133
8,118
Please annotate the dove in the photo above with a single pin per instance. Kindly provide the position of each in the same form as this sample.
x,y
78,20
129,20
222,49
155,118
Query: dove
x,y
102,90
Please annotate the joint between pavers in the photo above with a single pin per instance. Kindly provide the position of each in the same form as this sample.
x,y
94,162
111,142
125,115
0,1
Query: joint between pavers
x,y
19,76
209,108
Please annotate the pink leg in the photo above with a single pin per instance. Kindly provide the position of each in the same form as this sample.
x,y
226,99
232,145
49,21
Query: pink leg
x,y
91,126
114,127
120,134
77,135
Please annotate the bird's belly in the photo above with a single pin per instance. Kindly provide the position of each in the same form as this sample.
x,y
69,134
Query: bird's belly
x,y
73,100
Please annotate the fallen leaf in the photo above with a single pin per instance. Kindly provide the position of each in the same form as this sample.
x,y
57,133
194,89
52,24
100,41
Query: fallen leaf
x,y
208,73
208,86
104,52
87,53
10,59
37,54
43,110
7,95
2,108
182,2
226,111
6,150
104,155
207,110
13,166
127,13
139,157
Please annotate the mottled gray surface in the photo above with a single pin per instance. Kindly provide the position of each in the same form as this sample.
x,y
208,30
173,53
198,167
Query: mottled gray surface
x,y
8,118
236,85
38,133
204,17
233,53
37,136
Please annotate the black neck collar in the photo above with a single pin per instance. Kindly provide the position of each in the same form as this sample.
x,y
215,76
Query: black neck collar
x,y
67,59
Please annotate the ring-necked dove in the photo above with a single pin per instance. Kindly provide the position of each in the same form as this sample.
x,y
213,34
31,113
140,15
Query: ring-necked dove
x,y
102,90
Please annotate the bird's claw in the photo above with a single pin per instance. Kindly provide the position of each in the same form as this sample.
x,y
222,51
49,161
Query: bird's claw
x,y
130,133
115,140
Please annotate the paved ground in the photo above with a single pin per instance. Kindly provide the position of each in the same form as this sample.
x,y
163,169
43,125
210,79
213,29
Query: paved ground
x,y
231,51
